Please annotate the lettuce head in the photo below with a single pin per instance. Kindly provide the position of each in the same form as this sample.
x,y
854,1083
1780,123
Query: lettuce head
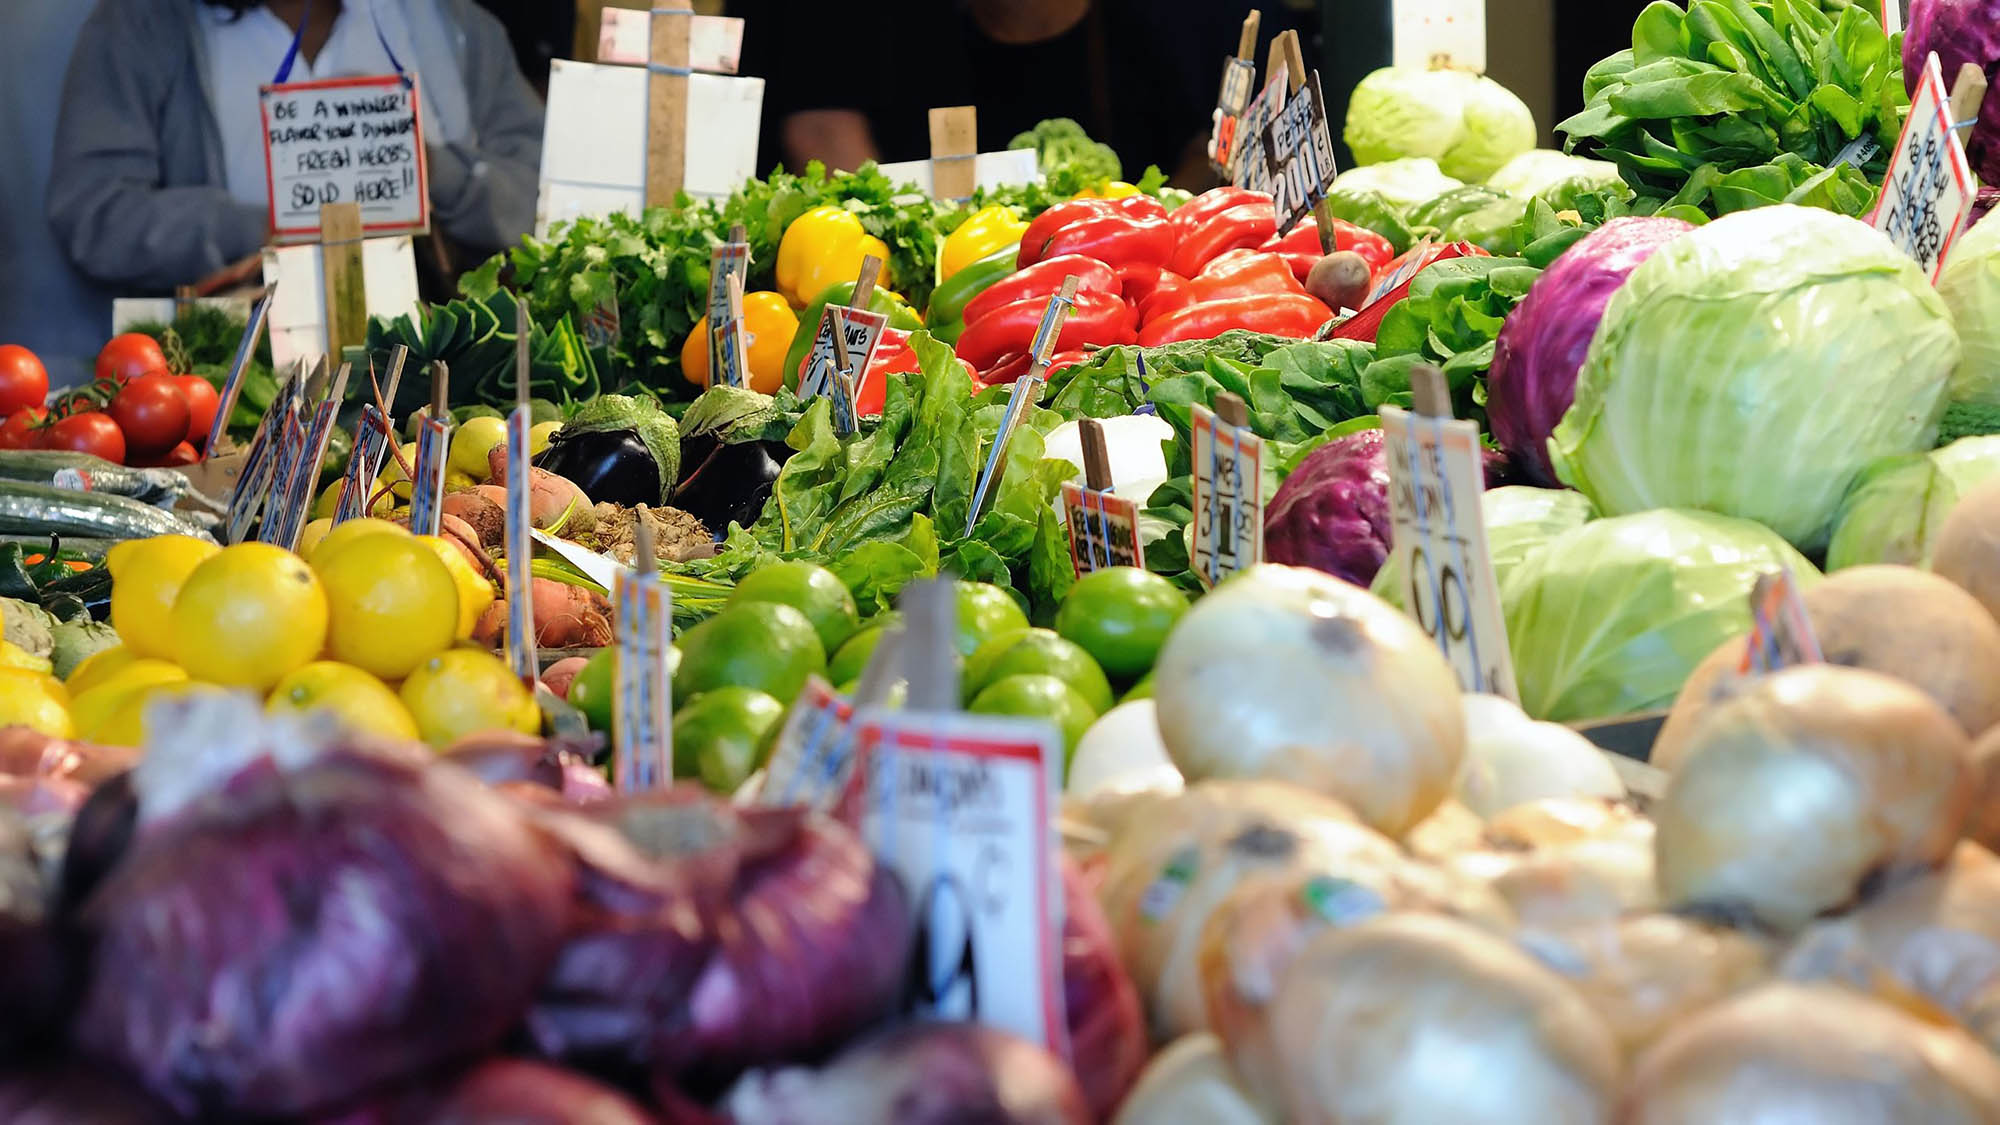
x,y
1469,124
1896,507
1970,286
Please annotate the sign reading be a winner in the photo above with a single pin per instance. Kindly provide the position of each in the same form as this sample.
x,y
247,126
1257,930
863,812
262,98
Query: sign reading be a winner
x,y
345,140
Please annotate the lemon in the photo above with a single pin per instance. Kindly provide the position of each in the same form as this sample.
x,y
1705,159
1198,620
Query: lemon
x,y
14,656
146,576
397,480
455,481
249,615
391,603
472,444
355,529
475,593
539,435
98,666
126,726
355,699
329,500
466,690
35,700
91,706
310,536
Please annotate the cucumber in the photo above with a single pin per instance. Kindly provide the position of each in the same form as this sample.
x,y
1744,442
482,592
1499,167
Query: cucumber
x,y
39,510
40,466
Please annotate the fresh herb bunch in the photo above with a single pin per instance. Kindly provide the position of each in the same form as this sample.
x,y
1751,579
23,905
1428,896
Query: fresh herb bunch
x,y
1730,104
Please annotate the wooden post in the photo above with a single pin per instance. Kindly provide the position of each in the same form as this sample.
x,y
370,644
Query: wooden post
x,y
864,282
1429,393
1295,77
440,389
1230,408
645,556
1096,458
1968,91
342,277
954,148
1246,42
667,106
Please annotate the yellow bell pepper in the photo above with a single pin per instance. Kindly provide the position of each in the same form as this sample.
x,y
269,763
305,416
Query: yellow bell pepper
x,y
769,323
987,230
1113,189
822,246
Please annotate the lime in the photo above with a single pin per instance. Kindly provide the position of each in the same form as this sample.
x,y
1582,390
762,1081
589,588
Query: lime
x,y
979,666
810,589
1121,616
984,611
1141,690
721,738
852,658
1038,697
1040,652
761,645
590,692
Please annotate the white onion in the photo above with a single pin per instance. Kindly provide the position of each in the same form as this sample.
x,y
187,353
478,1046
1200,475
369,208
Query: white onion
x,y
1122,751
1450,829
1810,782
1190,1083
1138,461
1932,941
1566,860
1511,759
1645,972
1289,673
1411,1019
1816,1055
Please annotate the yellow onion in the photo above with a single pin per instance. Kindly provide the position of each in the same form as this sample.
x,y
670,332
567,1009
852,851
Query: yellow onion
x,y
1646,972
1190,1083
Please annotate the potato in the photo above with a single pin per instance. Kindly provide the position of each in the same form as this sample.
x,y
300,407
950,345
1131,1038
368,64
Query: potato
x,y
1967,551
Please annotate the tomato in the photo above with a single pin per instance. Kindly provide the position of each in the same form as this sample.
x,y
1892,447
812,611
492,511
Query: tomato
x,y
153,413
22,430
92,432
24,382
130,356
203,401
182,454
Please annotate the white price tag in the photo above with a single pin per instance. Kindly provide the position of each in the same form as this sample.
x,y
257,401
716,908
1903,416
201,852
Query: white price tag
x,y
728,346
427,485
1299,151
261,461
372,439
812,762
1781,632
839,374
345,140
961,807
1239,83
1248,167
1928,192
1228,498
232,386
521,654
642,736
1436,477
1433,34
1103,529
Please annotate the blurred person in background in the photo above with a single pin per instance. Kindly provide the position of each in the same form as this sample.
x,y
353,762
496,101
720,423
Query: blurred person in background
x,y
159,173
1140,75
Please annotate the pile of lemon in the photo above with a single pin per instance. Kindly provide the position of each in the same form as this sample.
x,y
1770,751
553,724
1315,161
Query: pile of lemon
x,y
367,623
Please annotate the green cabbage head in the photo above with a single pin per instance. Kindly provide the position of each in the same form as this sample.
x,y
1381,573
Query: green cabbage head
x,y
1469,124
1753,367
1610,617
1896,507
1519,521
1970,286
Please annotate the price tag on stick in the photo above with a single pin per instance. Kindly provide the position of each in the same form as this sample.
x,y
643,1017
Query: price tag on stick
x,y
813,760
1781,634
374,433
642,737
232,386
1239,83
1436,478
253,482
842,347
1228,491
295,505
521,654
1103,529
1298,148
1928,193
288,441
433,450
1024,392
1248,167
728,345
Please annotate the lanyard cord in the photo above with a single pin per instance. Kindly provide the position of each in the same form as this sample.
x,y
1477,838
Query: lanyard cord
x,y
292,52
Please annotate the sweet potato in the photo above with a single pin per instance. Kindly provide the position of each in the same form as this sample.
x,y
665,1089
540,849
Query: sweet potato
x,y
550,499
560,674
486,520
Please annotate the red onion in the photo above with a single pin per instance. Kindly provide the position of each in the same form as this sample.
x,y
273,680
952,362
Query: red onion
x,y
725,938
71,1092
503,1092
33,971
561,764
299,920
1107,1026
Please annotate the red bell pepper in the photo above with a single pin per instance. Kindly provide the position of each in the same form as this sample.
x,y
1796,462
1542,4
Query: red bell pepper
x,y
1116,239
893,353
1140,206
1040,280
1011,367
1281,314
1239,273
1035,240
1098,318
1300,245
1137,281
1190,216
1364,323
1244,225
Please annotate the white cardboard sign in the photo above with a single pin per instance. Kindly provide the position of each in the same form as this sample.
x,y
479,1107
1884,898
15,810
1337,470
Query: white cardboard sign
x,y
298,308
1228,498
642,710
715,43
345,140
1431,34
989,170
1928,192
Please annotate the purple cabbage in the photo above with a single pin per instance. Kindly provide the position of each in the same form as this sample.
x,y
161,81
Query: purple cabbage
x,y
295,923
1542,345
1332,513
1960,31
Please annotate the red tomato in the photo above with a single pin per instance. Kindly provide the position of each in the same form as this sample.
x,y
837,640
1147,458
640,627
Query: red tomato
x,y
182,454
203,401
91,432
24,382
20,430
153,413
130,356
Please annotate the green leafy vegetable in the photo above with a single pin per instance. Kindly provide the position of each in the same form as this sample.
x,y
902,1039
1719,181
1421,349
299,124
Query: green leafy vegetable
x,y
1450,320
1063,149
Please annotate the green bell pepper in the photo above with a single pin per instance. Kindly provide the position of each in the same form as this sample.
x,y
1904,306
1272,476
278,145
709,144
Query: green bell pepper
x,y
945,318
901,316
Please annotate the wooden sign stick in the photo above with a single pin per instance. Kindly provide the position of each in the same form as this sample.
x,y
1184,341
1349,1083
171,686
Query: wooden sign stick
x,y
1968,92
341,276
440,389
667,106
1096,458
1295,79
864,282
645,556
1246,41
954,150
930,632
1229,407
1430,395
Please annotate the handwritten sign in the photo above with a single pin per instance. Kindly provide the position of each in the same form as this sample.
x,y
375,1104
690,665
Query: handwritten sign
x,y
642,736
1298,150
521,654
837,373
1928,193
1228,497
1435,481
1239,82
1438,34
372,438
1781,634
959,806
728,347
1103,529
812,761
345,140
1250,169
427,481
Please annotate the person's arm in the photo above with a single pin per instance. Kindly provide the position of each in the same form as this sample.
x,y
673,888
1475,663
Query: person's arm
x,y
483,189
106,204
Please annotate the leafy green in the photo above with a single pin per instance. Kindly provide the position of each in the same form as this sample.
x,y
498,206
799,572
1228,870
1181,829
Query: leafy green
x,y
1063,149
475,339
1968,419
1450,320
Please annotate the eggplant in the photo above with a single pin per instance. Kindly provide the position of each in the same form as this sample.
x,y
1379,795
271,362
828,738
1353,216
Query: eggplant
x,y
611,466
727,483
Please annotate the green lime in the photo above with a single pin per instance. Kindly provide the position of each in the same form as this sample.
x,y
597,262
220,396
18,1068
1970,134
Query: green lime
x,y
1121,616
810,589
849,660
984,611
721,738
1141,690
761,645
590,692
1040,652
979,666
1038,697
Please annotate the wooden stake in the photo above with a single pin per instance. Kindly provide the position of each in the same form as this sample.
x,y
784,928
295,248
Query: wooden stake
x,y
864,282
440,389
1295,79
737,233
645,557
1968,92
930,616
1096,458
954,147
397,359
1246,42
341,275
1429,393
667,106
1231,409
